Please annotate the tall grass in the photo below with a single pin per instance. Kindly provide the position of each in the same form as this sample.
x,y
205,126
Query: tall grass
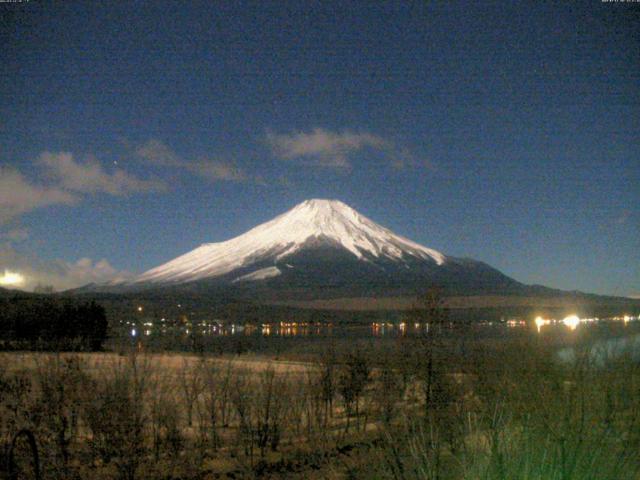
x,y
505,410
525,417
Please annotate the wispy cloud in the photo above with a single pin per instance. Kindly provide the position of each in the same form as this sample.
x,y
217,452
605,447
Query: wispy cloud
x,y
64,181
322,147
90,176
158,153
325,148
19,196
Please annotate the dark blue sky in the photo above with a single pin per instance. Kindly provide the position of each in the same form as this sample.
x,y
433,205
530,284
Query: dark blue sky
x,y
509,132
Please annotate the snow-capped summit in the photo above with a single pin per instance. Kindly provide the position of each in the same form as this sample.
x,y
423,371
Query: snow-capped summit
x,y
310,223
318,249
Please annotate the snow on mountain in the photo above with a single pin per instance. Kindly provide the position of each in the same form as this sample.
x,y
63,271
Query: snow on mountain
x,y
318,220
259,274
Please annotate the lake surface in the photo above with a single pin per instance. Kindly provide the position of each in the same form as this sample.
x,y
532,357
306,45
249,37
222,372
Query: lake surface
x,y
607,336
515,326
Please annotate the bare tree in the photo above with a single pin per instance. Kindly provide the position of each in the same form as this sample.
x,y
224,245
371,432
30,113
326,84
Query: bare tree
x,y
353,378
209,410
244,406
315,413
115,415
271,401
327,382
388,389
164,413
431,315
61,382
191,384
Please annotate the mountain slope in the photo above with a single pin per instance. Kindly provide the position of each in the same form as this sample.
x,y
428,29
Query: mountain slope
x,y
311,223
318,249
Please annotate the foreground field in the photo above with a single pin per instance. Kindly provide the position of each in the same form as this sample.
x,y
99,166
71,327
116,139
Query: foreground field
x,y
416,408
172,364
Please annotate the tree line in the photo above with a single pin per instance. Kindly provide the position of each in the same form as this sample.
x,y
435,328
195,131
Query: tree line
x,y
51,323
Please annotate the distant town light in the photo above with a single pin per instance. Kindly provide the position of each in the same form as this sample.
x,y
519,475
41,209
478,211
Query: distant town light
x,y
540,322
133,332
140,308
572,321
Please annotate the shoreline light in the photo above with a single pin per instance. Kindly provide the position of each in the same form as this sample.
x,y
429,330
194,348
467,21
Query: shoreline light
x,y
572,321
11,278
540,322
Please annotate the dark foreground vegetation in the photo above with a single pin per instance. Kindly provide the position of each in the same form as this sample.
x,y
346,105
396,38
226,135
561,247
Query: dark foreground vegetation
x,y
41,322
439,406
448,403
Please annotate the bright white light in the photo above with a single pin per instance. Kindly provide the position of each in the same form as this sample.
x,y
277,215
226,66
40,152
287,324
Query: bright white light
x,y
540,322
11,278
133,332
572,321
626,318
140,308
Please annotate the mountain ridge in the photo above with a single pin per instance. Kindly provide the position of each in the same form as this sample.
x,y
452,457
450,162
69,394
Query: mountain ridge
x,y
310,222
317,249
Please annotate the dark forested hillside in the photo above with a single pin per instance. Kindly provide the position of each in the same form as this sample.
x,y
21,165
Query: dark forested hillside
x,y
34,321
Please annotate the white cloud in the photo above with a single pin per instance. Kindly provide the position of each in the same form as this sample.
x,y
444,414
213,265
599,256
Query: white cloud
x,y
90,177
334,149
324,148
86,271
18,196
59,274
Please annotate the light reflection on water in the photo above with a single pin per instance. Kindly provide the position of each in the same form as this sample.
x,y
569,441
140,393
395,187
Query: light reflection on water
x,y
292,329
406,328
574,321
398,328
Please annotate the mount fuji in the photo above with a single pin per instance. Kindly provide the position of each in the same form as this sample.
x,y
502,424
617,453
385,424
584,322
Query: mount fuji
x,y
319,249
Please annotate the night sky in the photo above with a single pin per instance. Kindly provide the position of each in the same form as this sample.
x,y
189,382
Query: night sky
x,y
509,132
